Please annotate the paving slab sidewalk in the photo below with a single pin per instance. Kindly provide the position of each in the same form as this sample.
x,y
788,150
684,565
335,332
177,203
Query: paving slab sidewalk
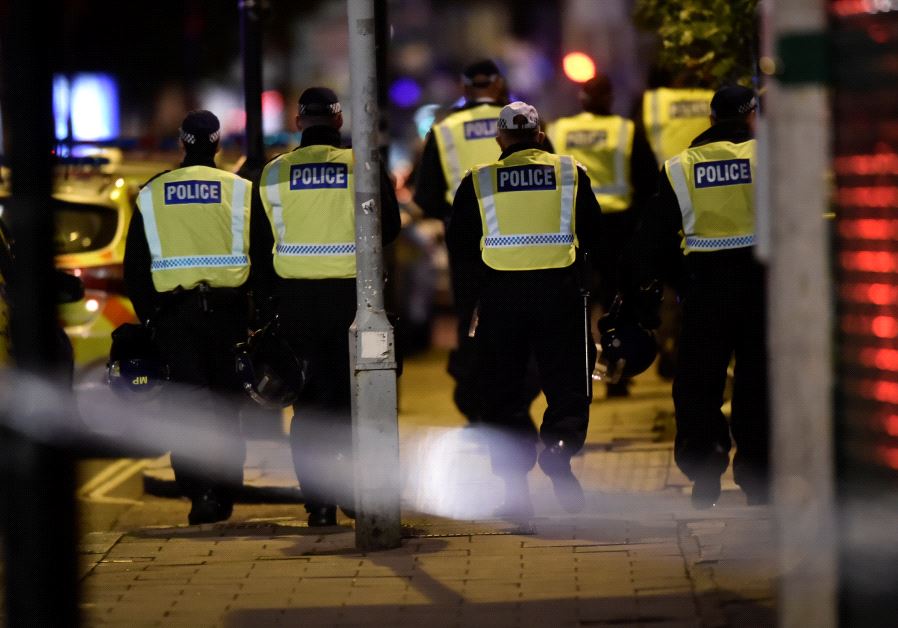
x,y
637,556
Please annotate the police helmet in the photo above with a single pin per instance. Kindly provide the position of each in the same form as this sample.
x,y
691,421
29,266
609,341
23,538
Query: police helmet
x,y
270,372
136,376
625,350
135,367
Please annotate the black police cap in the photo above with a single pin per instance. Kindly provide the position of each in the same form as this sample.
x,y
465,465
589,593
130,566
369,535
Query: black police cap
x,y
733,101
484,67
200,127
319,101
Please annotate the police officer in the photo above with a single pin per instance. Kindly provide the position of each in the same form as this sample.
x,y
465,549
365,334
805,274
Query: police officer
x,y
672,117
309,198
623,173
186,263
461,140
524,221
708,192
672,114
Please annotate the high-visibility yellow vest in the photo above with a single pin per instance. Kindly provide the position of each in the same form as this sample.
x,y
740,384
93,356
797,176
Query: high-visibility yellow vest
x,y
604,145
196,221
674,117
527,211
715,188
309,197
465,139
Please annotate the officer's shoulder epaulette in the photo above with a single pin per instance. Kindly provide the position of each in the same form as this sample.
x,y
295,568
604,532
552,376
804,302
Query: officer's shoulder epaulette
x,y
581,166
153,178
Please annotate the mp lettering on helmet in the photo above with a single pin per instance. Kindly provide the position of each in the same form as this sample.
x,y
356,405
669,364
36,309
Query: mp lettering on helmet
x,y
480,129
183,192
523,178
711,174
318,176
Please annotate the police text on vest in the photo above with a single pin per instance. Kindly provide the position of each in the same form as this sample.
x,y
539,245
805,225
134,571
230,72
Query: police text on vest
x,y
529,177
480,129
711,174
318,176
584,139
181,192
689,109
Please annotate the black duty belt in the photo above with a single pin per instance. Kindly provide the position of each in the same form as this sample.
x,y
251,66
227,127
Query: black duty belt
x,y
204,297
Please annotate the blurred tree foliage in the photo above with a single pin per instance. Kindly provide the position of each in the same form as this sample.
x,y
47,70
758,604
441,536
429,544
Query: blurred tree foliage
x,y
703,42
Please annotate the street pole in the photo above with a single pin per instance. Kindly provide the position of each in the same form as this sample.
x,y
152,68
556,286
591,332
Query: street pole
x,y
251,14
375,430
37,502
799,332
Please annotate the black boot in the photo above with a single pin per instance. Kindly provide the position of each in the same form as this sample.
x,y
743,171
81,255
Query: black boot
x,y
556,463
209,506
706,491
321,515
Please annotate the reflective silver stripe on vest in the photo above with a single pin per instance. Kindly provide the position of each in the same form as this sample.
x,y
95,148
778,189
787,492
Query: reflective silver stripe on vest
x,y
485,178
147,212
273,191
528,239
237,216
316,250
451,158
198,261
567,193
681,189
729,242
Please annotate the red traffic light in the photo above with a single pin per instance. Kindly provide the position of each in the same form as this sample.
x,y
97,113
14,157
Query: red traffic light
x,y
578,67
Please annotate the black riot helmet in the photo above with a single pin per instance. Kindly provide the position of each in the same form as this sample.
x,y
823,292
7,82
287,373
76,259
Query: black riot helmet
x,y
626,348
269,370
135,369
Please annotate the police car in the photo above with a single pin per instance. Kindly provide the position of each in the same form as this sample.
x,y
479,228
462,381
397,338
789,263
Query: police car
x,y
94,198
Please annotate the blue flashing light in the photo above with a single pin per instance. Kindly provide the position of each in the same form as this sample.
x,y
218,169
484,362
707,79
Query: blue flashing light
x,y
405,92
91,101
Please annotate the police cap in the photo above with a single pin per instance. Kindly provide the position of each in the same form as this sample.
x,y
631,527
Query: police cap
x,y
733,101
319,101
486,70
518,116
200,127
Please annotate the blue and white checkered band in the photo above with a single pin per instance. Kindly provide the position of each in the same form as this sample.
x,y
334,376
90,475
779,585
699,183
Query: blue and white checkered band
x,y
319,176
199,261
190,138
482,129
711,174
184,192
524,178
316,249
529,239
735,242
317,109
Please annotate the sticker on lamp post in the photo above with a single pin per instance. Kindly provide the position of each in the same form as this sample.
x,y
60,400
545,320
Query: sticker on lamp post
x,y
375,345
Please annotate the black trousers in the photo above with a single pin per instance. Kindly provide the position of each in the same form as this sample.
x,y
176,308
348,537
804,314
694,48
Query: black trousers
x,y
315,316
723,319
463,361
195,334
521,316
